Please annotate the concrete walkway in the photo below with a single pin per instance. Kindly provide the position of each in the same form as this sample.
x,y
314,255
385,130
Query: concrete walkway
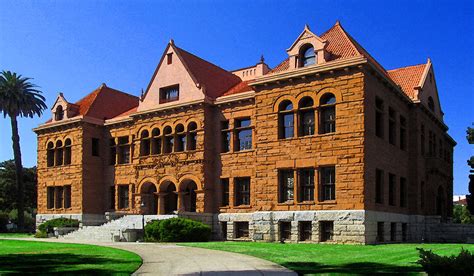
x,y
171,259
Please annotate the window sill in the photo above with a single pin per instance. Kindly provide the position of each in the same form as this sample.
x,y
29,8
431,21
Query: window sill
x,y
286,203
224,207
237,152
242,207
328,202
306,203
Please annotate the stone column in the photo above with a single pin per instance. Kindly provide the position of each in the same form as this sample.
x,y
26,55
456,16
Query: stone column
x,y
161,203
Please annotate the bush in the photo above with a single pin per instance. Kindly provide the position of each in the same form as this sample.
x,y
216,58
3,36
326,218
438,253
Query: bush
x,y
3,222
29,221
462,264
41,235
177,230
48,226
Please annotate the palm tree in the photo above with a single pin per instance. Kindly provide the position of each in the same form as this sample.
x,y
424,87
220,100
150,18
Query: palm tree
x,y
19,97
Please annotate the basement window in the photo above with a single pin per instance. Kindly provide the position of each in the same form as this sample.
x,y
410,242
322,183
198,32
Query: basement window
x,y
241,229
305,230
285,230
327,230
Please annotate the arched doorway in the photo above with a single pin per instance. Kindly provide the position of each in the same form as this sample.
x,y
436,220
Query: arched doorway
x,y
149,199
170,197
440,203
188,190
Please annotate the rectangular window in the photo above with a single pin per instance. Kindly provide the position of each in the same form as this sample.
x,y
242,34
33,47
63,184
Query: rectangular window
x,y
328,183
59,197
123,196
422,195
50,197
379,111
391,189
180,142
307,122
67,196
327,116
440,148
379,176
224,230
422,140
393,231
380,231
403,133
287,123
404,232
113,152
226,136
169,94
326,230
243,132
403,192
242,191
430,143
95,146
433,153
241,229
392,133
225,192
112,197
169,58
306,183
124,150
287,184
285,230
305,230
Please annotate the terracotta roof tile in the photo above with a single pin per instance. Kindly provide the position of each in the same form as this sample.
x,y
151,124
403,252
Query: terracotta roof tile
x,y
239,88
408,77
283,66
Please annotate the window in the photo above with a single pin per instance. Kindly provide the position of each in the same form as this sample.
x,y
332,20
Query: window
x,y
123,150
242,191
403,133
306,116
306,183
440,148
50,154
241,229
422,195
430,143
433,153
305,230
169,58
113,152
326,230
391,126
145,143
59,153
156,141
59,114
224,229
307,56
393,231
226,135
169,94
50,197
67,196
404,231
287,184
379,186
123,196
286,118
380,231
67,152
225,192
431,104
328,180
180,144
168,140
59,191
391,189
112,197
403,192
379,110
327,114
95,146
243,132
285,230
422,140
192,136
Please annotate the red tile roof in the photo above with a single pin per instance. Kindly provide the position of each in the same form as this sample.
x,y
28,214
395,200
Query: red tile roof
x,y
408,77
215,80
239,88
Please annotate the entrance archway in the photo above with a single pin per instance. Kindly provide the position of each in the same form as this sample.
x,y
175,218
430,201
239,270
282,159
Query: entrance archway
x,y
149,199
188,190
170,197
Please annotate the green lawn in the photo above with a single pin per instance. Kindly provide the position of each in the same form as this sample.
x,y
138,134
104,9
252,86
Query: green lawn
x,y
16,235
338,259
61,258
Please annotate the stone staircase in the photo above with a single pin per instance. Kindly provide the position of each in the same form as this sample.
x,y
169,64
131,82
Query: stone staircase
x,y
112,230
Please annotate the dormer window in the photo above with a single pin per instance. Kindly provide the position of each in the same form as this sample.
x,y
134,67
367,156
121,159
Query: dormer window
x,y
59,115
308,56
169,94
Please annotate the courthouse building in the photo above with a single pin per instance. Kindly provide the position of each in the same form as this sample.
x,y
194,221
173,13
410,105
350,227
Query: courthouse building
x,y
328,146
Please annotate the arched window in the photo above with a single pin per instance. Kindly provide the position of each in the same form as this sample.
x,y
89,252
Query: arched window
x,y
67,152
145,143
327,114
180,144
307,55
59,153
306,116
59,114
286,120
192,136
50,154
431,104
168,140
156,141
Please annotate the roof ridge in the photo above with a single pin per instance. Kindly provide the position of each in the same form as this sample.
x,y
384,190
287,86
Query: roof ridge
x,y
407,67
94,95
201,59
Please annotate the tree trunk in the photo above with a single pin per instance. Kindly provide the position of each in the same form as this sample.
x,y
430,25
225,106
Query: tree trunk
x,y
20,205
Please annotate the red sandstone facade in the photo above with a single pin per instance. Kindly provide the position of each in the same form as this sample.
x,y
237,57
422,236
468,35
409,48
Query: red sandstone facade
x,y
327,146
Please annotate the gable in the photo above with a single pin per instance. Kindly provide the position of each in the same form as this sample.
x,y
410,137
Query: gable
x,y
429,89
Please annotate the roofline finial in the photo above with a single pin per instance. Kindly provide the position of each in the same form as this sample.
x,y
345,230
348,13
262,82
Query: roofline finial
x,y
338,23
172,41
306,26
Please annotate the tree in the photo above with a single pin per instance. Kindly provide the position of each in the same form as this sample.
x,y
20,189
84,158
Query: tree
x,y
19,98
470,162
8,188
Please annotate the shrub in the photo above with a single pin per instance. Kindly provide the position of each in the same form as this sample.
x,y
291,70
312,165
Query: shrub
x,y
48,226
177,230
29,220
3,222
433,264
41,235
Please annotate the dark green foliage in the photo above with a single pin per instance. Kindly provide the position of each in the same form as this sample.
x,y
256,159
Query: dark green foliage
x,y
3,222
462,215
433,264
8,187
48,226
41,235
470,162
177,230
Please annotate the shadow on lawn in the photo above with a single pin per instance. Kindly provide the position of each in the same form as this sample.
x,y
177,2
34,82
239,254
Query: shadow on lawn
x,y
57,263
350,268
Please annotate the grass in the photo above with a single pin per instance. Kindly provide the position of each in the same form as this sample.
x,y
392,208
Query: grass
x,y
16,235
21,257
338,259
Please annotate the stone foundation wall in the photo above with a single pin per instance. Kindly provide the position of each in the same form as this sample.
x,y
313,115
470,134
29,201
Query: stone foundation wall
x,y
84,219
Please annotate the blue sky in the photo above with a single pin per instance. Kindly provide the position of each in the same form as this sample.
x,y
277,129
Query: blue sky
x,y
74,46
